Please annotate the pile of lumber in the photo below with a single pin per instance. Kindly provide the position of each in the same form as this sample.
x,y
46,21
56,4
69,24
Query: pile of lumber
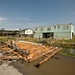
x,y
28,51
35,50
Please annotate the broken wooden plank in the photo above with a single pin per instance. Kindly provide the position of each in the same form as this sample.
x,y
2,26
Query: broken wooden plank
x,y
9,57
50,56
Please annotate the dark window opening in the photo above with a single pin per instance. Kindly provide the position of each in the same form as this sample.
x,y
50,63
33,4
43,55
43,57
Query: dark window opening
x,y
54,27
29,31
72,35
48,35
36,29
49,28
58,26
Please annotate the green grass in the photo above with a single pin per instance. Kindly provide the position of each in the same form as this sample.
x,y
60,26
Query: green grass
x,y
2,38
67,40
66,54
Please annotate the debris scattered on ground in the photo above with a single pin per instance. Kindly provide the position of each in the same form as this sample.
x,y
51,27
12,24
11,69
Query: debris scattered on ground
x,y
28,51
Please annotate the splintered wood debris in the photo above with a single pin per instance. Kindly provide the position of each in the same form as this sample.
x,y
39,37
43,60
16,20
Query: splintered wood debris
x,y
27,51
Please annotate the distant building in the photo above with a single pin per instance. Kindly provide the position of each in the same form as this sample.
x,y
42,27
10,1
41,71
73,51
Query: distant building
x,y
27,32
59,31
8,32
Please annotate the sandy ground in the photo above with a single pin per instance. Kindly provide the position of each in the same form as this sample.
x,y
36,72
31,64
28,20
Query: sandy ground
x,y
8,70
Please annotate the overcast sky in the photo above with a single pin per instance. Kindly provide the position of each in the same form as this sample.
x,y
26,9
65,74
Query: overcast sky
x,y
34,13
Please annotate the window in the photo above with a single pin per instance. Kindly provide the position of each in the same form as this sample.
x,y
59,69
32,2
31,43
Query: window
x,y
29,31
54,27
35,28
58,26
49,28
26,31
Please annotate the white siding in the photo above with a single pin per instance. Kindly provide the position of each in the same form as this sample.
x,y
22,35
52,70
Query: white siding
x,y
28,32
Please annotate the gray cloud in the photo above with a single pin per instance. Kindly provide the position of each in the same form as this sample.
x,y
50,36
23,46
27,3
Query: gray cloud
x,y
2,19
